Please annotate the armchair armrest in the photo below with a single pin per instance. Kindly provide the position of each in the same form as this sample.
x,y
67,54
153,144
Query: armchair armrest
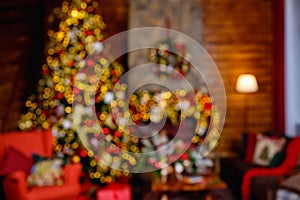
x,y
72,173
245,188
15,185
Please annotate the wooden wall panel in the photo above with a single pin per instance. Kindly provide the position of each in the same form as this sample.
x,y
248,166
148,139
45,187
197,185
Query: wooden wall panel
x,y
239,37
115,16
21,39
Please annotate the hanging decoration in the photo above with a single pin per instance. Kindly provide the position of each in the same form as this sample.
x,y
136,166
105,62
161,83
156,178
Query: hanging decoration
x,y
170,56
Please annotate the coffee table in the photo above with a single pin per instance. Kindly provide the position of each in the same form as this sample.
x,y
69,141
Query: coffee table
x,y
207,182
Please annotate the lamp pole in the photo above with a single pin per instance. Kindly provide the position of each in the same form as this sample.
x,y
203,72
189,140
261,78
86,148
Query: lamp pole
x,y
246,83
245,112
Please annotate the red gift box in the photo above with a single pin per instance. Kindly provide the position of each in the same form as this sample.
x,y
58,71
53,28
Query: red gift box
x,y
114,191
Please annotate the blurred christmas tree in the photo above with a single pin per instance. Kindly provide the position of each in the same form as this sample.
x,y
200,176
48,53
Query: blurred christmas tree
x,y
79,34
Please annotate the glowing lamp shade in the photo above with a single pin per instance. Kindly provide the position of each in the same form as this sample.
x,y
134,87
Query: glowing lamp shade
x,y
246,83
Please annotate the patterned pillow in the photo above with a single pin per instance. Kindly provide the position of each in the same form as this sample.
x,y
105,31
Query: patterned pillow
x,y
46,172
265,149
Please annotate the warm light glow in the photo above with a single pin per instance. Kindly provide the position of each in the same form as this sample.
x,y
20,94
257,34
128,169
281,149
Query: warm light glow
x,y
246,83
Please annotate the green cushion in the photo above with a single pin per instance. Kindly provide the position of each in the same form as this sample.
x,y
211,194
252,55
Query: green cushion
x,y
277,159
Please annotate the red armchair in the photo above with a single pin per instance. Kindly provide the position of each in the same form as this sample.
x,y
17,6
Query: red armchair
x,y
15,185
290,161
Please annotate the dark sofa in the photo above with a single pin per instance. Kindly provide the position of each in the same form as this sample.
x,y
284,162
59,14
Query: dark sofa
x,y
259,182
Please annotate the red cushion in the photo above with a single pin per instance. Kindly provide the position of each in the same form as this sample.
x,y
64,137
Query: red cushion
x,y
15,160
250,146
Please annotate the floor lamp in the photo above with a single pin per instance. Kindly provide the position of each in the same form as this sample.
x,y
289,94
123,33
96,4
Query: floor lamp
x,y
246,83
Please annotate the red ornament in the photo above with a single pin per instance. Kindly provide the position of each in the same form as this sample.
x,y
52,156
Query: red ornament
x,y
157,165
44,112
60,95
71,63
117,151
45,71
105,130
184,157
83,153
60,52
201,140
88,32
118,134
97,99
115,79
90,63
207,106
76,91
